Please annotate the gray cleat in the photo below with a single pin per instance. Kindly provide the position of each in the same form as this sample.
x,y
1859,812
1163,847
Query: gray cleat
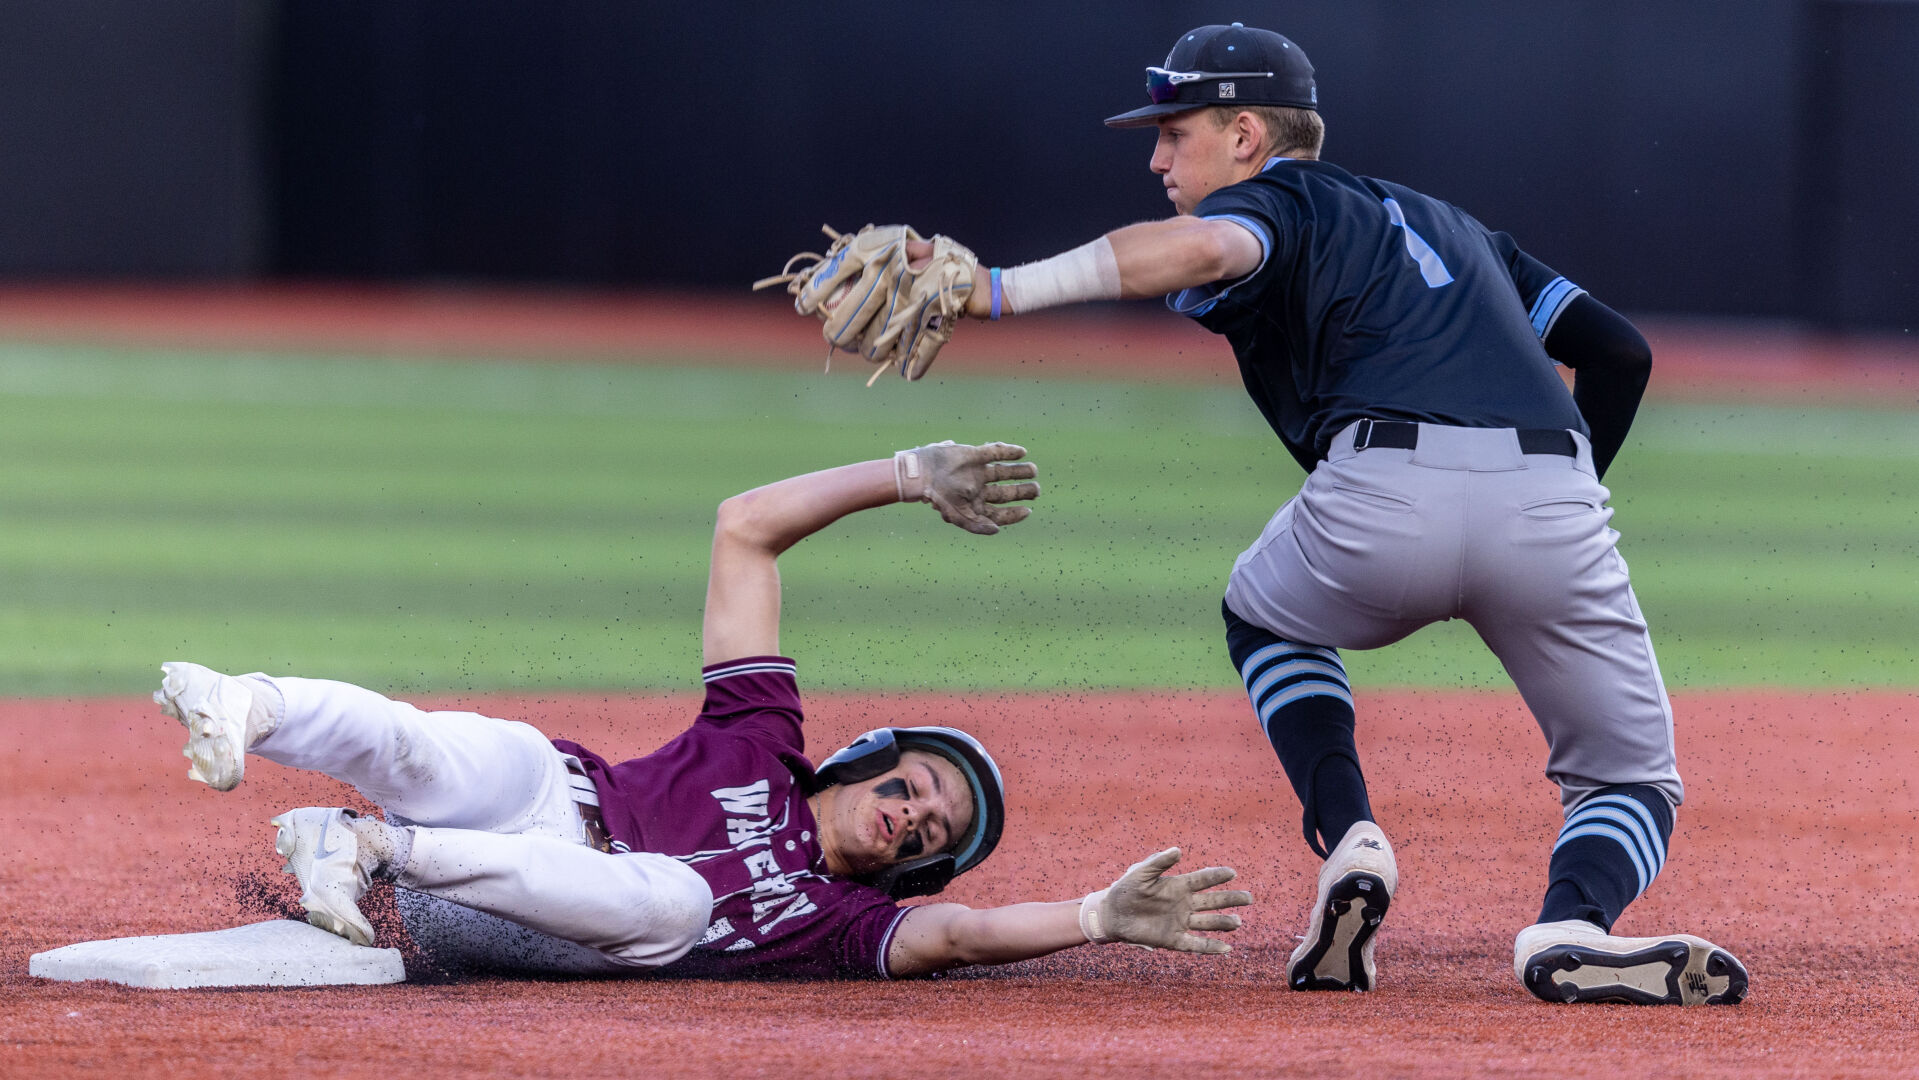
x,y
1575,961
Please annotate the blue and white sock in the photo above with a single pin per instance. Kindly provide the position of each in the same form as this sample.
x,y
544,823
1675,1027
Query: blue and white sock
x,y
1305,707
1610,849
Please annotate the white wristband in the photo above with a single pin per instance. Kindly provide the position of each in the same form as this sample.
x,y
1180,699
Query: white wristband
x,y
907,475
1088,272
1089,919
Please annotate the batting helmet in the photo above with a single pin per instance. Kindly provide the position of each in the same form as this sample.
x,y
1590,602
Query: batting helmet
x,y
878,751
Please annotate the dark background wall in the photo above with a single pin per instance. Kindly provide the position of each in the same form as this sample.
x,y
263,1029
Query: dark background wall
x,y
132,138
1759,158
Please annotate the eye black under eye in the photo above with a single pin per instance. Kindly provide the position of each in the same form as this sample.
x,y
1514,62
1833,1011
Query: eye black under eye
x,y
912,846
891,789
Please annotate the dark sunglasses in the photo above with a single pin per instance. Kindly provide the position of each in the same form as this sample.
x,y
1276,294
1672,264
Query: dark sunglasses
x,y
1163,85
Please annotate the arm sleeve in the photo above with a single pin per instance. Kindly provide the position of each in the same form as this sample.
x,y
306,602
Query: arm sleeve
x,y
758,694
1254,208
1612,362
1545,294
869,938
1611,359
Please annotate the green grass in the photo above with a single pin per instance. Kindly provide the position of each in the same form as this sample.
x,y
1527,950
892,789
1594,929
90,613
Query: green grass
x,y
435,525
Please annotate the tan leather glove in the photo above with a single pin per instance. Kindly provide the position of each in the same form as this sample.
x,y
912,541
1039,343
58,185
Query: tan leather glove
x,y
965,483
1146,907
872,299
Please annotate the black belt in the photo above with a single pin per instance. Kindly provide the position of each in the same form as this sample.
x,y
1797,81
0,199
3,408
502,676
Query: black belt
x,y
596,834
1400,435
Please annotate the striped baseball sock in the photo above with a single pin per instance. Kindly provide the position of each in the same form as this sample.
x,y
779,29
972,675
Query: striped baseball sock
x,y
1612,845
1305,707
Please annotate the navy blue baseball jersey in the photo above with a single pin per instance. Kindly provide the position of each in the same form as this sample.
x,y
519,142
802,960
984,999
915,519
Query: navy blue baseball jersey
x,y
1373,300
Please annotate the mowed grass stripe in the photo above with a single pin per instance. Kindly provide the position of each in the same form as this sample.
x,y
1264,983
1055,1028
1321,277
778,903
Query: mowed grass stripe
x,y
427,525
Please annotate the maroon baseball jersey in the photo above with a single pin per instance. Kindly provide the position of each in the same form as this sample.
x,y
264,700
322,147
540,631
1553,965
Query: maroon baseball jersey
x,y
728,798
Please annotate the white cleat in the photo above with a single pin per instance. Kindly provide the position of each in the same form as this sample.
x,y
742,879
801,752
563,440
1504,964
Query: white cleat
x,y
323,853
1576,961
1355,888
214,708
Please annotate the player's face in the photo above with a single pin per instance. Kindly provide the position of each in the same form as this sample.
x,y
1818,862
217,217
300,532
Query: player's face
x,y
916,809
1194,158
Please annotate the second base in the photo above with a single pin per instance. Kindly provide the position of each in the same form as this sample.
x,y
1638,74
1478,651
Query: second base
x,y
276,953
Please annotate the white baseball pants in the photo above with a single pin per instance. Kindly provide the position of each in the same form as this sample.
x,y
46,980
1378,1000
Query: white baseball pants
x,y
496,831
1382,541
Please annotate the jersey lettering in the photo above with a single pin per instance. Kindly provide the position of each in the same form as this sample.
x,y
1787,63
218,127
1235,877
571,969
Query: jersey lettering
x,y
1431,267
749,800
750,826
742,834
777,885
800,905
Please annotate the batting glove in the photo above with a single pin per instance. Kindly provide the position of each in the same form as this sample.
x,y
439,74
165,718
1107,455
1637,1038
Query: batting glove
x,y
1147,907
964,482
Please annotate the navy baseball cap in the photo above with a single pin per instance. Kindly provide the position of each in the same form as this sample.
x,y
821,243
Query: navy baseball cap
x,y
1225,65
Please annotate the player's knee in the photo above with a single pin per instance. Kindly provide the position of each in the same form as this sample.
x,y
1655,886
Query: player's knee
x,y
1661,801
1243,639
670,916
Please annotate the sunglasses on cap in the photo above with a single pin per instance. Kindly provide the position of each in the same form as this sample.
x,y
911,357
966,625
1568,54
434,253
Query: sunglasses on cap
x,y
1163,85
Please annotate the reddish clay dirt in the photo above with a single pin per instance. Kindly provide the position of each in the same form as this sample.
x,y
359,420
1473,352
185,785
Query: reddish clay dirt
x,y
1795,850
1756,361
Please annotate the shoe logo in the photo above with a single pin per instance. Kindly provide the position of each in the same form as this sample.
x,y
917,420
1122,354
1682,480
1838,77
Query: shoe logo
x,y
320,850
1369,843
1696,982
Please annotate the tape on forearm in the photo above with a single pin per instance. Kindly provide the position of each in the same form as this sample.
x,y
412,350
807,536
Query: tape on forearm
x,y
1088,272
1089,919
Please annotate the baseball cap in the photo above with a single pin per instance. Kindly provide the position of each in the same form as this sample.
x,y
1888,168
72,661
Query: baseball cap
x,y
1225,65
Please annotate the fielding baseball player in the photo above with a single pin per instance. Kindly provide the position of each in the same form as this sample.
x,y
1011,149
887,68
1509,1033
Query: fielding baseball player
x,y
724,851
1404,354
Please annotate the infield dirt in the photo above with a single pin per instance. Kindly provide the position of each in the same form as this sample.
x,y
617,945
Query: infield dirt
x,y
1794,850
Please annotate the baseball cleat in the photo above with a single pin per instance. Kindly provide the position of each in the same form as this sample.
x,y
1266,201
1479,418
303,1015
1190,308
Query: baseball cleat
x,y
214,708
1355,888
323,853
1575,961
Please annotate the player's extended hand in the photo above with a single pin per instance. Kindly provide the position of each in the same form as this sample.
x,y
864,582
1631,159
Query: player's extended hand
x,y
966,483
1148,907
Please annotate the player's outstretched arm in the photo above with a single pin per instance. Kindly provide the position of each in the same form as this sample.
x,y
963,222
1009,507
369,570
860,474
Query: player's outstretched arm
x,y
1146,906
969,485
1152,258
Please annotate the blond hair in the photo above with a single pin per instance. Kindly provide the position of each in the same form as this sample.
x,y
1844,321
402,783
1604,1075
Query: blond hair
x,y
1294,132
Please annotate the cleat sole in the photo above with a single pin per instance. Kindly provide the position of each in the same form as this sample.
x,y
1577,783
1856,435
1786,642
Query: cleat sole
x,y
1356,904
1669,972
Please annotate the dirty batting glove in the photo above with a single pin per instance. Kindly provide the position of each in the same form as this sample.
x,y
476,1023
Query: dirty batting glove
x,y
1148,907
967,484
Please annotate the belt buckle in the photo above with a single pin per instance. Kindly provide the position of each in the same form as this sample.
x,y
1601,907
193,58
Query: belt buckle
x,y
1363,435
595,828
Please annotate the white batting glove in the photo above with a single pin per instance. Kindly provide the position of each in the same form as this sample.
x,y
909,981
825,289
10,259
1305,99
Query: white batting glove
x,y
963,482
1146,907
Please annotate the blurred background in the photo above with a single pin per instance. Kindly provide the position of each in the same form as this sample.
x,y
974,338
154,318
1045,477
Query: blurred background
x,y
1753,159
239,242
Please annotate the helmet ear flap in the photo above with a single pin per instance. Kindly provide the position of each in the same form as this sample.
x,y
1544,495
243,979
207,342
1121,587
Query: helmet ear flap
x,y
921,877
868,756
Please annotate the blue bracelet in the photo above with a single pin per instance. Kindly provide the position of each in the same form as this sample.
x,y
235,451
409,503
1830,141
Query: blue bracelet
x,y
994,274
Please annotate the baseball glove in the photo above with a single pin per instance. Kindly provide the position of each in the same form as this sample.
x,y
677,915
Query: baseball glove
x,y
875,302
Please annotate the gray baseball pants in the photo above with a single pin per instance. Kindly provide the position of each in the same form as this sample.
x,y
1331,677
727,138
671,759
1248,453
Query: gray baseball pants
x,y
1381,541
